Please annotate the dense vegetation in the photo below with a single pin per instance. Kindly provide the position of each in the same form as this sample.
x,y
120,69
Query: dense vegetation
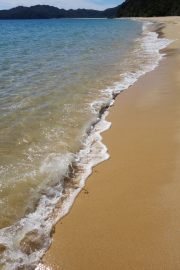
x,y
47,12
130,8
149,8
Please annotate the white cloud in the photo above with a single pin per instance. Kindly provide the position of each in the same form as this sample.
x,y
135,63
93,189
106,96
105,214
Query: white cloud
x,y
67,4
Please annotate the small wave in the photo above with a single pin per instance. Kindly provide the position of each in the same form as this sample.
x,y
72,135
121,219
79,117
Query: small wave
x,y
24,243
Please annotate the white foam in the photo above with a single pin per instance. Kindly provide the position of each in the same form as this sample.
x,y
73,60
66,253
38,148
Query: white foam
x,y
43,267
93,152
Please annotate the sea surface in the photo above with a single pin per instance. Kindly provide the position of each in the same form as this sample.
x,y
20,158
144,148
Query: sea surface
x,y
57,80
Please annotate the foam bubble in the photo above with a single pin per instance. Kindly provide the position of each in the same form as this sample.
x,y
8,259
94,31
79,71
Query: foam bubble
x,y
49,210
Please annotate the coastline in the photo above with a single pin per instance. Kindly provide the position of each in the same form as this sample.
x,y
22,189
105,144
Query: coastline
x,y
35,235
96,233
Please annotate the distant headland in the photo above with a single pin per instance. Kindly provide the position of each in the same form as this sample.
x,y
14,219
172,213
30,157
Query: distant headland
x,y
50,12
130,8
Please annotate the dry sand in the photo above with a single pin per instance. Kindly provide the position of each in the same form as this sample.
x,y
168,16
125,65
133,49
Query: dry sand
x,y
130,219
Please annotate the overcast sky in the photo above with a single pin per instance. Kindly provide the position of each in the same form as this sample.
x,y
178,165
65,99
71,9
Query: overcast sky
x,y
94,4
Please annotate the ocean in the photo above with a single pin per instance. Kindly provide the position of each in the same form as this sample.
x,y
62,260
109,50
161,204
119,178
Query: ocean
x,y
57,80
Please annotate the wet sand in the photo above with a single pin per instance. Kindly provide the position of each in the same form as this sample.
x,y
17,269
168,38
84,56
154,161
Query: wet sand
x,y
129,218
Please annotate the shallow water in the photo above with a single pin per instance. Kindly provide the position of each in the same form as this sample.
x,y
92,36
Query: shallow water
x,y
55,78
50,72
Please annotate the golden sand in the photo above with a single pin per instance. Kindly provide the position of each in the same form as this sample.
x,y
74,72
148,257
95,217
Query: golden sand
x,y
130,219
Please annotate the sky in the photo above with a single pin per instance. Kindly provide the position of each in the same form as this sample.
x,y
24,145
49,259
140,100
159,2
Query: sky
x,y
67,4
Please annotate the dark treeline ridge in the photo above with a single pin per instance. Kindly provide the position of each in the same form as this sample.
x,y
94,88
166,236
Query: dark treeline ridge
x,y
149,8
49,12
130,8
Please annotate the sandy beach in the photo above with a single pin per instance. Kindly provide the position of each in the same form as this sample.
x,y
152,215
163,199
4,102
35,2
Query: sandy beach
x,y
128,216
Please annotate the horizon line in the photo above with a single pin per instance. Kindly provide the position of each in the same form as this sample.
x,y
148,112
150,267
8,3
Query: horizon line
x,y
58,7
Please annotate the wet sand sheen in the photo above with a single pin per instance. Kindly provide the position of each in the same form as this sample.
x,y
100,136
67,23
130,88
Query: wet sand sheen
x,y
130,218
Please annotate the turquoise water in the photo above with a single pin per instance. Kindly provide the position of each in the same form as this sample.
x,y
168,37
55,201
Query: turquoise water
x,y
56,78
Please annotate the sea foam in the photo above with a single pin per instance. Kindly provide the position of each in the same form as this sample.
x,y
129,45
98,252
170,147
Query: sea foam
x,y
75,168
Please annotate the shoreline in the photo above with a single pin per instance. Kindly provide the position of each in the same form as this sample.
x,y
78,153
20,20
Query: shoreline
x,y
58,256
94,140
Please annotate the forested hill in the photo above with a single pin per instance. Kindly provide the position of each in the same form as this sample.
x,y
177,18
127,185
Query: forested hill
x,y
49,12
149,8
130,8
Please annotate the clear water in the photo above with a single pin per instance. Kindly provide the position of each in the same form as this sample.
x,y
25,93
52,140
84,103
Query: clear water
x,y
50,73
55,78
